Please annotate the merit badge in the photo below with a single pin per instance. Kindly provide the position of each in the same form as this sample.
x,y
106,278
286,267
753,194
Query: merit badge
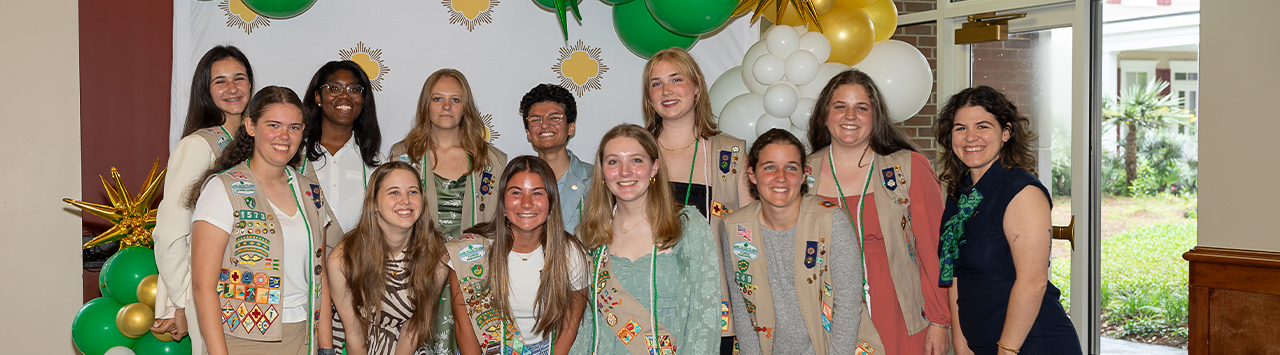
x,y
238,175
890,179
251,202
315,195
725,158
718,209
743,265
826,316
724,316
243,188
486,180
629,331
864,349
612,319
745,250
810,253
744,232
471,253
477,270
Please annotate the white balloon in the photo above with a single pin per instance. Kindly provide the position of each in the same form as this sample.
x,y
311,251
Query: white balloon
x,y
767,122
781,99
825,72
802,67
817,44
740,115
119,350
727,87
769,69
804,109
782,40
903,75
801,30
748,65
801,134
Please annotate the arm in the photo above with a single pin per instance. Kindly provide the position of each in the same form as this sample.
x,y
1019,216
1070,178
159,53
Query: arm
x,y
926,214
208,244
467,343
957,337
173,228
846,273
340,293
1026,226
569,330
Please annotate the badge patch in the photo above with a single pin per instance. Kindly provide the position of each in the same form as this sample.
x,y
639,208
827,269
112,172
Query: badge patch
x,y
251,202
745,250
864,349
315,195
243,188
238,175
826,316
744,232
724,316
471,252
477,270
486,183
719,210
612,319
890,179
629,331
810,254
743,265
725,158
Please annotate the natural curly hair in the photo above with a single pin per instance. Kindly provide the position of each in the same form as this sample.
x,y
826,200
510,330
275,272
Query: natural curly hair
x,y
1017,152
549,93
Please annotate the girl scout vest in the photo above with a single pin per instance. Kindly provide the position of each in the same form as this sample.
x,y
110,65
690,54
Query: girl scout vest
x,y
496,332
626,316
249,287
333,234
476,208
891,188
216,136
812,278
726,150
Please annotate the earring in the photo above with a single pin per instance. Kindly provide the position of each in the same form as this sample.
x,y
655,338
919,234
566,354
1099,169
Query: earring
x,y
652,180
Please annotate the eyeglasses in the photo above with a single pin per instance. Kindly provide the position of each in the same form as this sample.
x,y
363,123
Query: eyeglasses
x,y
553,119
335,89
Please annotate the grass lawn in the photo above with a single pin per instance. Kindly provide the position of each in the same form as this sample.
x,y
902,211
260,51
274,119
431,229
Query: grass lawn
x,y
1144,278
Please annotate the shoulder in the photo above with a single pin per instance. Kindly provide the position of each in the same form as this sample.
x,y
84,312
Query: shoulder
x,y
467,239
497,156
816,157
727,139
397,149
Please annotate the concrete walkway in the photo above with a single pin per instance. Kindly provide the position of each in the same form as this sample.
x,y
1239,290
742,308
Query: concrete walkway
x,y
1111,346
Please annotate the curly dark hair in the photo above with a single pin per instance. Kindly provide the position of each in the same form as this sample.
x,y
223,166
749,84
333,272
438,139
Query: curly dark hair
x,y
366,131
773,136
549,93
1017,152
886,138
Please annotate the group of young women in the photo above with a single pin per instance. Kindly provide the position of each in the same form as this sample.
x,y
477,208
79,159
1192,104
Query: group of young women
x,y
288,232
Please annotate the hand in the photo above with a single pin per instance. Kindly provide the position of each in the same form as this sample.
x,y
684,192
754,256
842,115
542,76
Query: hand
x,y
937,341
179,325
162,325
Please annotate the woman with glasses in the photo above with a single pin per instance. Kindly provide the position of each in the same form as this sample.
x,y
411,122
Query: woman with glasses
x,y
459,168
220,90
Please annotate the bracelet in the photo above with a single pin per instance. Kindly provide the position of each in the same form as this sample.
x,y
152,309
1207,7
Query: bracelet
x,y
327,351
940,326
1006,348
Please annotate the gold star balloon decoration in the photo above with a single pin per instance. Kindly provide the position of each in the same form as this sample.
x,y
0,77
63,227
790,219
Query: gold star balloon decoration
x,y
808,10
133,217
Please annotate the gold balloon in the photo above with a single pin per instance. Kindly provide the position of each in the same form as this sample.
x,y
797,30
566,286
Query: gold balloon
x,y
162,336
851,33
822,7
857,3
133,217
135,320
884,17
147,291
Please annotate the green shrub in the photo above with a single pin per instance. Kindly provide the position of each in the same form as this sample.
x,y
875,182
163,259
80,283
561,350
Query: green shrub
x,y
1061,183
1144,279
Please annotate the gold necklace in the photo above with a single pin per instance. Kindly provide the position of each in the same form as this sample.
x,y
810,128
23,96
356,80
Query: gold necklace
x,y
664,147
523,257
633,227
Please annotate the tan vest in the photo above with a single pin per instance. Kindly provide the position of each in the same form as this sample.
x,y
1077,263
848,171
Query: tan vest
x,y
626,316
480,206
891,186
250,286
333,232
470,254
217,138
813,281
725,151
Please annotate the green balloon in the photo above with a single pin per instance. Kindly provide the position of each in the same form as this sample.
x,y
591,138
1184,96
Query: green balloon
x,y
279,9
149,345
643,35
692,17
94,329
124,271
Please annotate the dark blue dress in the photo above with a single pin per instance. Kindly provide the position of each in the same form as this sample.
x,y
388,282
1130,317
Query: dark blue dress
x,y
985,272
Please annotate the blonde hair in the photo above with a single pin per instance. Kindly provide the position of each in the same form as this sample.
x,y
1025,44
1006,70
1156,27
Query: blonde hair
x,y
418,142
596,228
688,68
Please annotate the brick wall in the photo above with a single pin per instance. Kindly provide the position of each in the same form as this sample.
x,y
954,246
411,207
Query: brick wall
x,y
925,37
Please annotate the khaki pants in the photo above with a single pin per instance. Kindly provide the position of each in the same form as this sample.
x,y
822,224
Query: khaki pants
x,y
293,342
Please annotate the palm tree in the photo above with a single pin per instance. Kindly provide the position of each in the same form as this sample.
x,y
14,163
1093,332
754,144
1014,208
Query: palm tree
x,y
1142,107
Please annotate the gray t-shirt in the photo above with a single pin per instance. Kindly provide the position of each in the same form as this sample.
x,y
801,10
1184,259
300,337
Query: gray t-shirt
x,y
790,335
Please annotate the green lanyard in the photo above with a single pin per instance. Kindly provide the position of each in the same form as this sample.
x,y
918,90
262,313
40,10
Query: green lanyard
x,y
297,200
692,163
866,289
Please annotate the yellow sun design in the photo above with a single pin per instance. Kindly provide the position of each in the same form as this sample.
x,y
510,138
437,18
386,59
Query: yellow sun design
x,y
580,68
470,13
370,60
490,131
240,15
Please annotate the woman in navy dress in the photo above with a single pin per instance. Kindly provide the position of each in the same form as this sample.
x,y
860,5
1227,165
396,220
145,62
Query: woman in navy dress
x,y
995,232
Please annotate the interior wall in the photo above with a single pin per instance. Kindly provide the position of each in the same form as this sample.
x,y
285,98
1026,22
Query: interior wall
x,y
1238,168
40,140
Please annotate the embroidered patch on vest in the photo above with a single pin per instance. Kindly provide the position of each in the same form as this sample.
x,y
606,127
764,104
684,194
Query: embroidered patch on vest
x,y
486,182
718,209
251,248
471,252
745,250
724,316
663,346
629,331
725,158
826,316
810,254
864,348
745,233
477,270
243,188
238,175
890,179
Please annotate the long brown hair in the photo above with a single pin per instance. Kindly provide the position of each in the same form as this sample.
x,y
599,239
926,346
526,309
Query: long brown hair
x,y
554,288
419,142
1018,152
886,138
241,148
365,255
202,111
665,221
688,68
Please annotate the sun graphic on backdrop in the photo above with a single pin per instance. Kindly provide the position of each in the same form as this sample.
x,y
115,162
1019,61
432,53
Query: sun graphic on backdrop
x,y
241,16
490,131
580,68
470,13
370,60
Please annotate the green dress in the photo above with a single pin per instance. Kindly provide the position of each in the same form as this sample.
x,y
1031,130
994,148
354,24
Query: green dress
x,y
688,288
449,212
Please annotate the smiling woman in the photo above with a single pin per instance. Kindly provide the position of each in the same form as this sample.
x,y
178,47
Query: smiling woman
x,y
342,138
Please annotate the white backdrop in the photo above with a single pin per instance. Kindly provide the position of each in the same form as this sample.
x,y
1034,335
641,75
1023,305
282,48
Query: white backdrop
x,y
502,59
